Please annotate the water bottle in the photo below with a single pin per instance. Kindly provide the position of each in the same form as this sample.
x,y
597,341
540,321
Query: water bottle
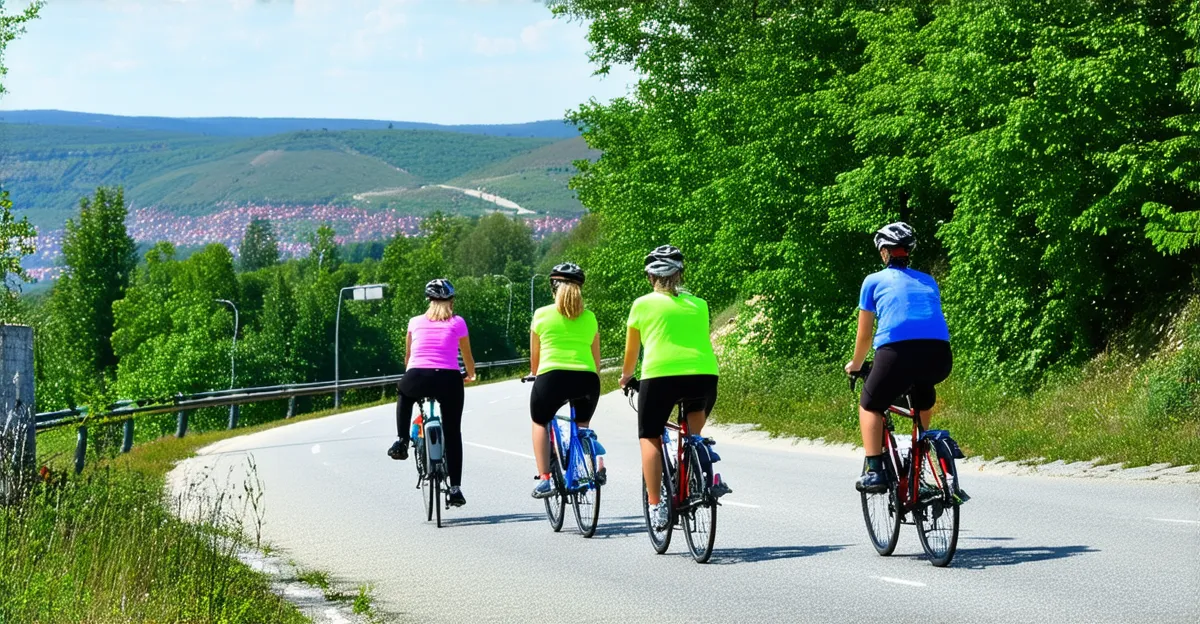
x,y
903,446
433,433
415,432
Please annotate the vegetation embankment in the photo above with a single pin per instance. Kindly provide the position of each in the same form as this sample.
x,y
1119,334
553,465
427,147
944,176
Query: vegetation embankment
x,y
1045,153
106,546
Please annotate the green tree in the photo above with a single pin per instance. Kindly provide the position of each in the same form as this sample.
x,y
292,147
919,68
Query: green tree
x,y
16,242
324,251
493,244
259,248
12,26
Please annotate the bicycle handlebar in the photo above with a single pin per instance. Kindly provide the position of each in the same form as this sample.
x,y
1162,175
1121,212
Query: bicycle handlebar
x,y
633,386
528,378
861,373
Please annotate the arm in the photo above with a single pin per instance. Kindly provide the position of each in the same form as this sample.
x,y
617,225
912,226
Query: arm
x,y
862,342
464,345
596,351
633,343
407,348
535,353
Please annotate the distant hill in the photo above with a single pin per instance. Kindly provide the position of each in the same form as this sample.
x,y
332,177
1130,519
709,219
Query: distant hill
x,y
47,169
254,126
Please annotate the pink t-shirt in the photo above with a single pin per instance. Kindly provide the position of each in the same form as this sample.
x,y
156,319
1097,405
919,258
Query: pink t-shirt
x,y
435,343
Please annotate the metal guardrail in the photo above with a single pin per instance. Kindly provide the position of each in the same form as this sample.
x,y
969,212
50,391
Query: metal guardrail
x,y
125,411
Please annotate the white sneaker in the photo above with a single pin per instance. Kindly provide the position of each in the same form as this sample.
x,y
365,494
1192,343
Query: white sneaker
x,y
660,516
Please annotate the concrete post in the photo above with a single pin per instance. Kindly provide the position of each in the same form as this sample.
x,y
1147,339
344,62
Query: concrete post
x,y
18,435
127,436
291,413
181,423
234,411
80,448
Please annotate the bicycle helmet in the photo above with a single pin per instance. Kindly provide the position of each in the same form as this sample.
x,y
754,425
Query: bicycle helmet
x,y
439,289
567,271
898,234
664,261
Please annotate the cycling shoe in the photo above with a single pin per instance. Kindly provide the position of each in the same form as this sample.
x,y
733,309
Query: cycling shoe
x,y
871,483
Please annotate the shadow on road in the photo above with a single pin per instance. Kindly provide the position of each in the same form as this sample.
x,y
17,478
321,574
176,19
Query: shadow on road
x,y
727,556
625,526
992,556
491,520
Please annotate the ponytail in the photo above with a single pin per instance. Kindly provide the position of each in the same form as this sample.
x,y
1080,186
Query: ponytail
x,y
669,284
568,299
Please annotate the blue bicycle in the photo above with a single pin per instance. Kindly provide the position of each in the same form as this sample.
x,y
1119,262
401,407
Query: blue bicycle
x,y
432,473
582,479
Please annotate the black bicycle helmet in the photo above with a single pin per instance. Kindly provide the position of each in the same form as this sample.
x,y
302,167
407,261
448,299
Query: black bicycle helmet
x,y
664,261
439,289
567,271
898,234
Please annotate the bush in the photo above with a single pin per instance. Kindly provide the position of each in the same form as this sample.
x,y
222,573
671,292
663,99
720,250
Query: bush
x,y
1173,378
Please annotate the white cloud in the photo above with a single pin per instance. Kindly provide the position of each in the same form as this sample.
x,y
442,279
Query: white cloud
x,y
495,46
536,36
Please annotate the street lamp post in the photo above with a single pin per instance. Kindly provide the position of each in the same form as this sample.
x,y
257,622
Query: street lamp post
x,y
531,279
233,409
366,292
508,320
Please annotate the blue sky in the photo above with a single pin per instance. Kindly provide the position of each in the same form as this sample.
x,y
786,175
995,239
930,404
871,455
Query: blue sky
x,y
441,61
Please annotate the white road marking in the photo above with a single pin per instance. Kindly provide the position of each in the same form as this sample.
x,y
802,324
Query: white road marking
x,y
493,402
1175,520
507,397
365,421
737,504
316,449
888,579
498,450
467,411
348,428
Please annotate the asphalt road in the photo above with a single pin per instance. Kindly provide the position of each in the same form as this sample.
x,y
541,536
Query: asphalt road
x,y
791,544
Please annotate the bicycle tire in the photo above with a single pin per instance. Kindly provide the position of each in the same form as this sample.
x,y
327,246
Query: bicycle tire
x,y
661,540
556,505
700,521
586,503
437,490
937,519
427,484
881,512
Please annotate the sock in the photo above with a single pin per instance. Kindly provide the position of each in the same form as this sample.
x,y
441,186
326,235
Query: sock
x,y
546,477
875,463
454,489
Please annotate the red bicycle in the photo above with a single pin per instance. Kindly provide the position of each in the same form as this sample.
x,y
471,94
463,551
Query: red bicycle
x,y
922,481
687,482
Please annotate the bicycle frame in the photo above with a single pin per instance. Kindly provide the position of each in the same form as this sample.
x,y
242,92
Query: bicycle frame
x,y
683,435
573,458
908,494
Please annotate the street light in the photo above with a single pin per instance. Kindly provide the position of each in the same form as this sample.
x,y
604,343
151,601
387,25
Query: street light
x,y
233,409
509,319
535,276
367,292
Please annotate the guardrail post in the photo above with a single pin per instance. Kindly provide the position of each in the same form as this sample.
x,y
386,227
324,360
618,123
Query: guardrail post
x,y
127,436
234,412
181,423
291,413
80,448
18,428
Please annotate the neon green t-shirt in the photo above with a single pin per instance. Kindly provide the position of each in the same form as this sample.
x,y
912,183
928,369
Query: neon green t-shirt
x,y
674,334
566,344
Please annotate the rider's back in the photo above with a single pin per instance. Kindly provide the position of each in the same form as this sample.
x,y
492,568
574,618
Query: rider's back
x,y
566,344
675,335
907,304
435,343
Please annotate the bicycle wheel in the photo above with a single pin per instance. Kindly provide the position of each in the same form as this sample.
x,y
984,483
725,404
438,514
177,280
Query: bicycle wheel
x,y
438,479
936,515
700,519
556,505
661,540
882,514
586,501
426,480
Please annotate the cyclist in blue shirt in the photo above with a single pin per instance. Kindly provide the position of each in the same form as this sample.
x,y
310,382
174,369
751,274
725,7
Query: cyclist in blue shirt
x,y
902,308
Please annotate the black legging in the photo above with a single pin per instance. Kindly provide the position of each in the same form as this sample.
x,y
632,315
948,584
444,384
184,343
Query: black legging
x,y
446,386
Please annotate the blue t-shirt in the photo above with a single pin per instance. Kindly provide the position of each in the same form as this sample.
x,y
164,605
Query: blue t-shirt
x,y
907,306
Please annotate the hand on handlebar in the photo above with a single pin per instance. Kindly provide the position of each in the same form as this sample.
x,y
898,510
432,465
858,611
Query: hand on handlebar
x,y
528,378
629,383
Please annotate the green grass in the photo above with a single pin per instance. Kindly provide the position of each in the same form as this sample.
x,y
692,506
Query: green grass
x,y
1117,408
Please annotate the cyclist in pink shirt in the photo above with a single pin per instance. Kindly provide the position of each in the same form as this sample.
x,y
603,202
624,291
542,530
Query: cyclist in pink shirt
x,y
431,370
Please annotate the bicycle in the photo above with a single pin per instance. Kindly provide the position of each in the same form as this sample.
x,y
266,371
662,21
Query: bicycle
x,y
925,485
430,450
687,484
581,482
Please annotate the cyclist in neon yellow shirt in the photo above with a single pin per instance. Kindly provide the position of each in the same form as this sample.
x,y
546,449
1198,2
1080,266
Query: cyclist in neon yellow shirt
x,y
564,355
672,325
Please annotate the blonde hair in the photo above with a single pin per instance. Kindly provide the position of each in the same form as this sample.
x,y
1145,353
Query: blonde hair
x,y
440,310
568,299
670,284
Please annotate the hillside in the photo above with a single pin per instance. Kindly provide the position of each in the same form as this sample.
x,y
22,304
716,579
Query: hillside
x,y
47,169
256,126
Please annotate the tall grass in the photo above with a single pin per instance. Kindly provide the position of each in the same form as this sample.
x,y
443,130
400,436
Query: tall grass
x,y
1117,408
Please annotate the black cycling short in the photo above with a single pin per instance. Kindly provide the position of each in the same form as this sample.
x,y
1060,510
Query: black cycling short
x,y
445,385
554,389
657,398
901,366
